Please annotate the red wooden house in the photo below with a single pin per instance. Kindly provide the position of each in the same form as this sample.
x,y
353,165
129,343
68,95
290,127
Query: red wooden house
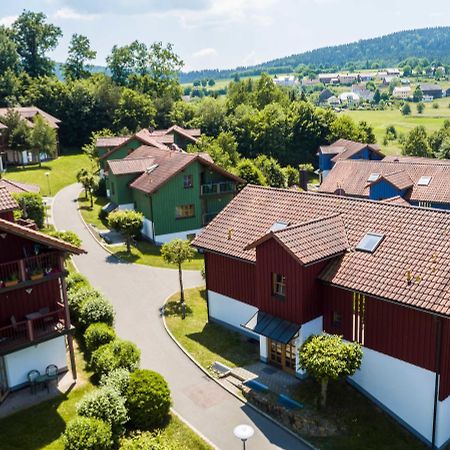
x,y
34,316
282,265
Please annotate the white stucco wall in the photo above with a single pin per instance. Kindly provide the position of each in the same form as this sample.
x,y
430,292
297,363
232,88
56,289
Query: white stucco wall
x,y
314,326
37,357
126,206
263,350
163,238
443,422
230,311
405,389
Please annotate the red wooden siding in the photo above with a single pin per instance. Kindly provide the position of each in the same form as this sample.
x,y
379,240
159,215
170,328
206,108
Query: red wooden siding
x,y
339,301
13,247
7,215
444,385
302,302
19,302
231,277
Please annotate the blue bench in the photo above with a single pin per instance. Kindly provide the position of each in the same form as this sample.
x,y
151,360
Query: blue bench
x,y
257,386
288,402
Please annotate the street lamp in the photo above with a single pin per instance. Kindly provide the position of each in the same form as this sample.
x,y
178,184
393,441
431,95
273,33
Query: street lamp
x,y
47,174
244,433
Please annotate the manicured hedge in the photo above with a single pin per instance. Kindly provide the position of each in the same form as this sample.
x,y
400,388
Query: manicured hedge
x,y
95,308
83,433
98,334
117,379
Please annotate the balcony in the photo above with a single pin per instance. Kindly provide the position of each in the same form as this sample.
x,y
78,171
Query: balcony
x,y
37,326
14,273
224,187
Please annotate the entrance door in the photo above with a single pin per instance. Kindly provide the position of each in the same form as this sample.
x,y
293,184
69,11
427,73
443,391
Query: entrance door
x,y
282,355
4,391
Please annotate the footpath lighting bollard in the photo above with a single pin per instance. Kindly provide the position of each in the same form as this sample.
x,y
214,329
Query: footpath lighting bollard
x,y
244,433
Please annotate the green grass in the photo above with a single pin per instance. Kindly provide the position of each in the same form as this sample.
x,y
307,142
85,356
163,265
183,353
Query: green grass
x,y
62,172
144,252
207,342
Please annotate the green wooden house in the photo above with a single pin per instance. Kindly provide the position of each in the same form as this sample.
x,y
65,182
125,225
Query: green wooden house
x,y
178,193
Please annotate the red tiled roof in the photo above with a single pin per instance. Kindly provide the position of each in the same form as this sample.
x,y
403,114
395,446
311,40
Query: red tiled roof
x,y
18,187
36,236
169,163
400,179
416,159
352,148
28,112
112,141
351,177
129,165
311,241
410,266
7,203
397,200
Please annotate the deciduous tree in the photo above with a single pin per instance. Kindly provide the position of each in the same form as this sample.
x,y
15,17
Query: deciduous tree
x,y
128,222
80,52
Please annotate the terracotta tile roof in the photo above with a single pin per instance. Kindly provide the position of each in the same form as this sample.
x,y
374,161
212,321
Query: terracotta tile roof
x,y
311,241
416,159
28,112
129,166
7,203
400,179
112,141
397,200
331,149
36,236
352,148
351,178
168,163
18,187
410,266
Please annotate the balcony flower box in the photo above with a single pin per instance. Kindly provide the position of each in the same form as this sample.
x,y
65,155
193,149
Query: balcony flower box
x,y
36,274
10,283
11,280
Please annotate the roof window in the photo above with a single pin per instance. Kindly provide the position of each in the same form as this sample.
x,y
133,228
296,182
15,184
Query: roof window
x,y
277,226
370,242
152,168
373,177
424,180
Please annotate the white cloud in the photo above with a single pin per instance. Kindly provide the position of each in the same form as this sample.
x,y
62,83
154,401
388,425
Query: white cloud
x,y
7,21
205,53
70,14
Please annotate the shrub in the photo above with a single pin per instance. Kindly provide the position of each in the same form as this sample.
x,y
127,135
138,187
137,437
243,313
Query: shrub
x,y
76,281
32,207
144,440
148,399
116,354
77,298
84,433
105,404
96,309
117,379
98,334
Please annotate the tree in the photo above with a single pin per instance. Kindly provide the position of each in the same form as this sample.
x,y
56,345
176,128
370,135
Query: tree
x,y
444,149
90,149
418,94
407,71
247,170
406,109
328,357
128,222
90,183
292,175
34,38
19,137
416,143
365,133
271,170
79,53
178,252
32,207
211,82
377,97
420,107
43,138
9,58
121,63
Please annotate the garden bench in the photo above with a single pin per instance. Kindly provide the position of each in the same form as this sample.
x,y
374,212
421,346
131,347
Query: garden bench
x,y
257,386
221,369
289,402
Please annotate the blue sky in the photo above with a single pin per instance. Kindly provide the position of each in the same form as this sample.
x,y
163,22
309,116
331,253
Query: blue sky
x,y
229,33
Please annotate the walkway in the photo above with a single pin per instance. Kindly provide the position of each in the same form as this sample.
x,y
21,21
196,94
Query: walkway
x,y
137,293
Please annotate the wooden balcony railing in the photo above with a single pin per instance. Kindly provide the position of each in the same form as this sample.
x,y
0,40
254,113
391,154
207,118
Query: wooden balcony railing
x,y
223,187
32,268
37,326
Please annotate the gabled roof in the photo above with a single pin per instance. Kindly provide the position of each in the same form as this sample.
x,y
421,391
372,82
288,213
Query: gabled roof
x,y
167,164
411,266
399,179
351,177
112,141
7,203
128,166
397,200
352,148
311,241
18,187
28,112
416,159
189,133
36,236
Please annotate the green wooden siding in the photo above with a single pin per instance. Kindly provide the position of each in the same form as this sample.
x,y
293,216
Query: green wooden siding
x,y
122,192
122,152
142,203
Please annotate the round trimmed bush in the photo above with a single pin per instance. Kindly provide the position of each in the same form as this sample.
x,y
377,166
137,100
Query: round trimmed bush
x,y
144,440
76,299
96,309
117,379
76,281
98,334
105,404
83,433
116,354
148,399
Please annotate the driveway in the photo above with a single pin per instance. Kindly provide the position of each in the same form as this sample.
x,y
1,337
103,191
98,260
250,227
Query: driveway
x,y
137,293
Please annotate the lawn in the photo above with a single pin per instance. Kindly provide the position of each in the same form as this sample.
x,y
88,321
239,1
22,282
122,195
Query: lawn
x,y
62,172
207,342
144,252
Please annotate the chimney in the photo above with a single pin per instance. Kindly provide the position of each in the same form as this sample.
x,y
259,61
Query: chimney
x,y
303,179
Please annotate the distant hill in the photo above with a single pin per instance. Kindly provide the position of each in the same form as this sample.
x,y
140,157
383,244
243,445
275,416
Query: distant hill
x,y
93,69
430,43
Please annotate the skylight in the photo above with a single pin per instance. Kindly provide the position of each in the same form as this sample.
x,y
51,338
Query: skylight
x,y
277,226
424,180
373,177
152,168
370,242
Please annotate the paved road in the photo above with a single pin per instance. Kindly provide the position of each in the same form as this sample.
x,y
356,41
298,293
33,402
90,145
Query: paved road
x,y
137,293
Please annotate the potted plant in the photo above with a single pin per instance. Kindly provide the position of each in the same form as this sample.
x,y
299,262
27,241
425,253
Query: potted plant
x,y
12,279
36,273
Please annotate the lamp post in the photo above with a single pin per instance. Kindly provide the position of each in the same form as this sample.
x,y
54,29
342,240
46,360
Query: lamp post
x,y
244,433
47,175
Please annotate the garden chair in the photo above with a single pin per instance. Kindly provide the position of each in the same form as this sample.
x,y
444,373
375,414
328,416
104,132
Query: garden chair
x,y
52,374
32,377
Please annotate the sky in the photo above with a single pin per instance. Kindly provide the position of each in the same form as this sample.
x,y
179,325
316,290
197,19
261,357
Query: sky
x,y
228,33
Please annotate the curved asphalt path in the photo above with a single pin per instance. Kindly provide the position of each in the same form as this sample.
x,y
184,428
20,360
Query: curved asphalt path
x,y
137,293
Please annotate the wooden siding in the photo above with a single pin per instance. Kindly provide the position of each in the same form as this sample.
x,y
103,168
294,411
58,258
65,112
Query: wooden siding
x,y
341,302
230,277
13,247
444,385
301,303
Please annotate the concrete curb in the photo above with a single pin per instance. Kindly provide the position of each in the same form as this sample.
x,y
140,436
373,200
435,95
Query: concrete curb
x,y
242,400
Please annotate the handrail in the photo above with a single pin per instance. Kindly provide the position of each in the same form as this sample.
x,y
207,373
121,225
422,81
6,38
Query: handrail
x,y
217,188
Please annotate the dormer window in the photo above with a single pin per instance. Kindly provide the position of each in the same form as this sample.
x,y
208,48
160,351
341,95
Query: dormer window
x,y
370,242
373,177
278,285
